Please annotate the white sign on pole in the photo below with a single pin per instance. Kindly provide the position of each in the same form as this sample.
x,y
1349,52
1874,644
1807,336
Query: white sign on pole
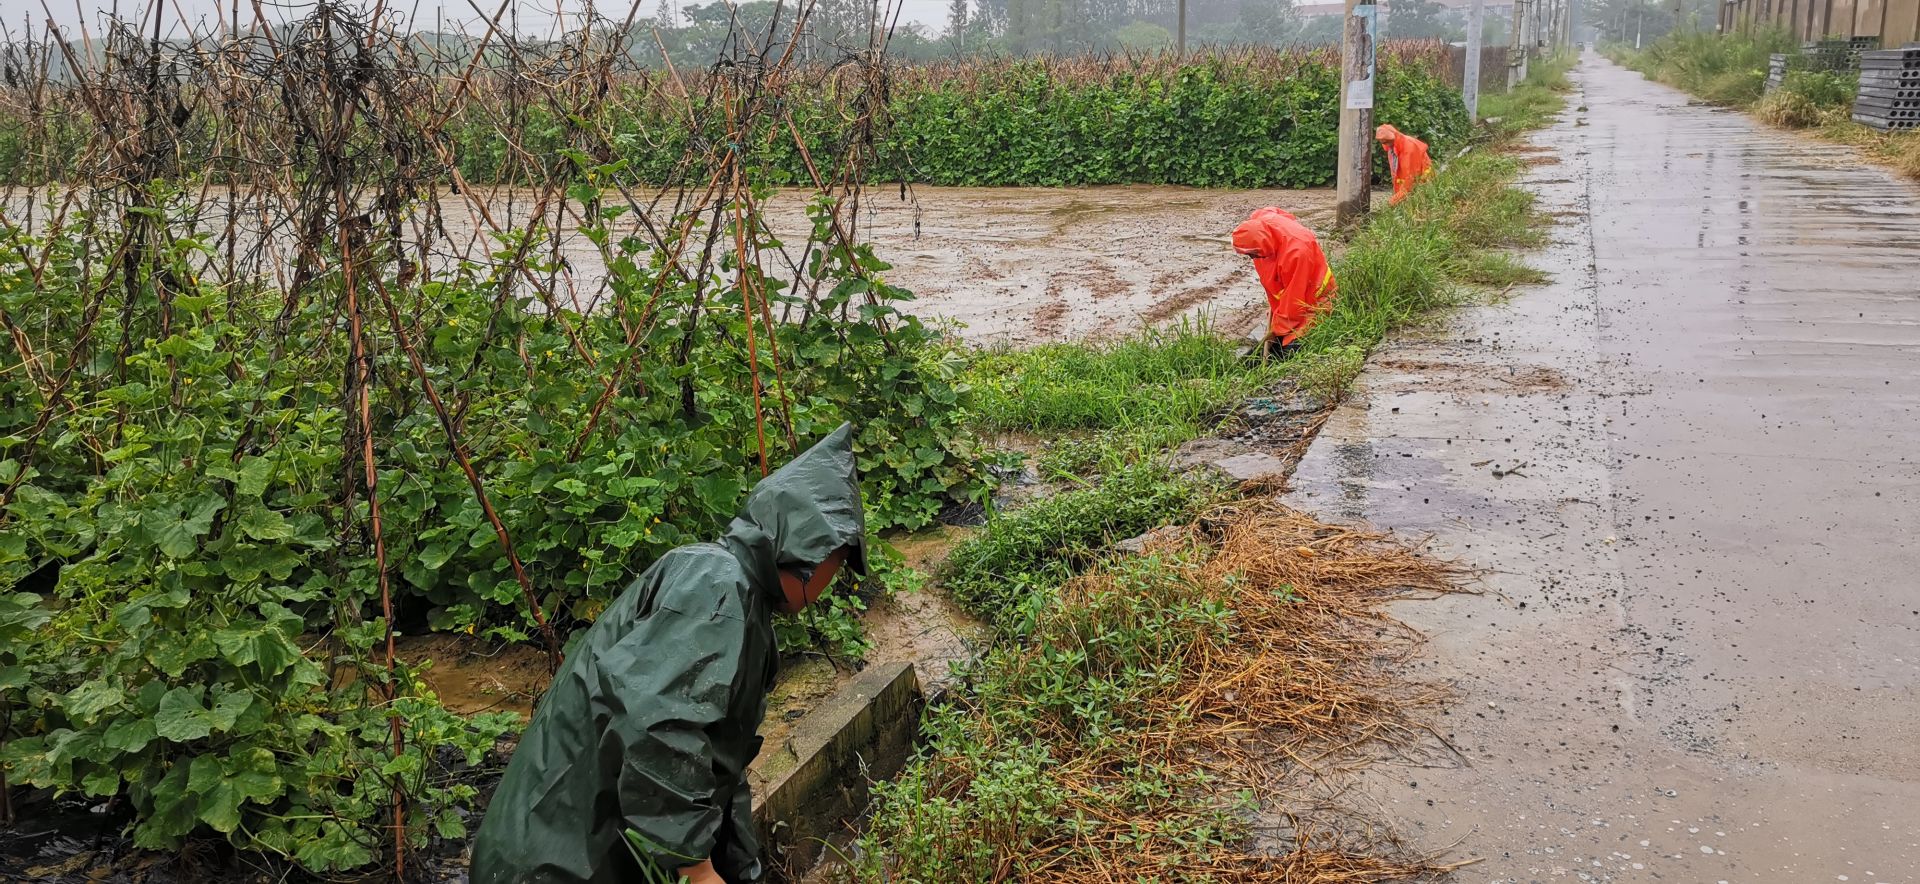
x,y
1360,75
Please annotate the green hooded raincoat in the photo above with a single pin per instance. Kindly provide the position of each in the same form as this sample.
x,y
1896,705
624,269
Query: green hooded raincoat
x,y
651,722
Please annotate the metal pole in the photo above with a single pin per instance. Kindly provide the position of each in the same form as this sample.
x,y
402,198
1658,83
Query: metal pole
x,y
1180,41
1354,175
1470,78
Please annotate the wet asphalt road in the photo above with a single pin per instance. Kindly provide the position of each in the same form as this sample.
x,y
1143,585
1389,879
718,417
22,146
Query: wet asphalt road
x,y
1697,652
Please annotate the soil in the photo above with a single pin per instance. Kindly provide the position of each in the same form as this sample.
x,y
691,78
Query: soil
x,y
1033,265
1019,265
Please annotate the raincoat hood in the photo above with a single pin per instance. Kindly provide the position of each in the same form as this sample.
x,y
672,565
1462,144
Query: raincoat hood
x,y
801,513
1386,133
650,725
1255,236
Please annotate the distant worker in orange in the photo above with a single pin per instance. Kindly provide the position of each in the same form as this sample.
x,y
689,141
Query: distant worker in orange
x,y
1292,269
1406,158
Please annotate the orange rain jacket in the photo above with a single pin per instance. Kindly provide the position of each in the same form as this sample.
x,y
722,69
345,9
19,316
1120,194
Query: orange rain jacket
x,y
1291,266
1406,157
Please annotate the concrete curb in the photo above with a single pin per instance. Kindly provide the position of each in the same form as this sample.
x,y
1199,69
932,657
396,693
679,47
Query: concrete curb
x,y
808,788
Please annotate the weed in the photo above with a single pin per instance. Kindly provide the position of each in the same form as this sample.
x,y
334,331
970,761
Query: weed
x,y
1171,377
1328,373
1126,738
1006,573
1728,69
1531,103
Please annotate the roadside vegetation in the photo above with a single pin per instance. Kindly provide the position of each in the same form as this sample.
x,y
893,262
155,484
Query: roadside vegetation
x,y
235,465
1138,707
1731,70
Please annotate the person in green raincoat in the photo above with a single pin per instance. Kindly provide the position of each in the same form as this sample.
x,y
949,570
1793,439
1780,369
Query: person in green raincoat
x,y
651,722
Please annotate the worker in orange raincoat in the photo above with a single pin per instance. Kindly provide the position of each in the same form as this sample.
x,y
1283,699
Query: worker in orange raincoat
x,y
1292,269
1406,158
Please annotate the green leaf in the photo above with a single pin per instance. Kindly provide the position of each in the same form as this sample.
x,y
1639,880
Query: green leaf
x,y
178,537
228,709
265,524
336,848
254,475
182,717
435,555
91,698
129,734
448,825
220,807
405,764
204,773
258,645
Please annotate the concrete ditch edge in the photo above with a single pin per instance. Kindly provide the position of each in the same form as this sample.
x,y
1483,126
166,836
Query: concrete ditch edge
x,y
807,789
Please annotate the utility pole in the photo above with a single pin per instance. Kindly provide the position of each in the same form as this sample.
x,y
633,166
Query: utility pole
x,y
1180,40
1470,78
1517,45
1355,172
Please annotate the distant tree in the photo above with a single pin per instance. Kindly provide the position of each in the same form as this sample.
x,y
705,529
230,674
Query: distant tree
x,y
1411,19
957,26
1142,35
1320,30
1270,22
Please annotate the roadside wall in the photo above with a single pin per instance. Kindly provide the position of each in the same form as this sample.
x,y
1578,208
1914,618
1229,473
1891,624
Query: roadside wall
x,y
1895,22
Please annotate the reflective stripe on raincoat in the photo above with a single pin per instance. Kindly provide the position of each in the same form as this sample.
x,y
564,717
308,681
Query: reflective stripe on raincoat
x,y
1291,267
1406,158
651,722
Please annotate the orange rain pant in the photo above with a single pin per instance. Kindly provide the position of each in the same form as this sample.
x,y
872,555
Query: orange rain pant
x,y
1406,158
1291,266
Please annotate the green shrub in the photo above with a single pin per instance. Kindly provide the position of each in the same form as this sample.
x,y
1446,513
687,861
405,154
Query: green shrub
x,y
207,592
1809,98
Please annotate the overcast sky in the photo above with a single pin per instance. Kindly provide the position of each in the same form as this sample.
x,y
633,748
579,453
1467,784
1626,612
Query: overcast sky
x,y
536,17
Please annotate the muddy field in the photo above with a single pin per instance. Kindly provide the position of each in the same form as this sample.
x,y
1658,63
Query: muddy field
x,y
1030,265
1004,265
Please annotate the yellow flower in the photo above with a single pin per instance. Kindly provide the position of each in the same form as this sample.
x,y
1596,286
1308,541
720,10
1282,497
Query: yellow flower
x,y
453,321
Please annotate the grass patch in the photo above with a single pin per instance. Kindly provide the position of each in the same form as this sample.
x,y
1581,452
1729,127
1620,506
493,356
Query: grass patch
x,y
1008,573
1174,377
1899,150
1112,404
1731,70
1532,103
1422,255
1127,737
1726,69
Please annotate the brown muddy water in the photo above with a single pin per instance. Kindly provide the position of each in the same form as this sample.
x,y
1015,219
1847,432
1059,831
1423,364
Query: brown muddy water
x,y
1002,265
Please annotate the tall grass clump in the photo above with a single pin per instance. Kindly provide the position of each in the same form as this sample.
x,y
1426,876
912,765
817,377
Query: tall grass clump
x,y
1173,376
1725,69
1533,102
1807,99
1415,259
1007,573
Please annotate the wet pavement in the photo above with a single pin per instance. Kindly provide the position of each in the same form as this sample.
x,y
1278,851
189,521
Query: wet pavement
x,y
1690,468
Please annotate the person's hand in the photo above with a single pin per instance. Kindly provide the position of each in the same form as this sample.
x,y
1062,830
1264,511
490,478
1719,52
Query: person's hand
x,y
701,874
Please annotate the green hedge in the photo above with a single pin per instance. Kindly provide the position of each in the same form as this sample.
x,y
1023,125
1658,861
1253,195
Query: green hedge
x,y
1261,121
